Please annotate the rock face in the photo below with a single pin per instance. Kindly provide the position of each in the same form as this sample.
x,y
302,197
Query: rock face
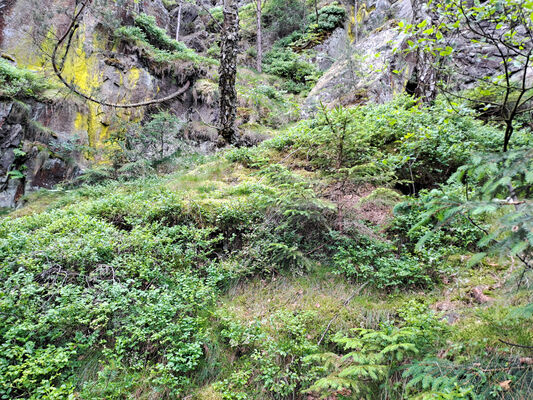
x,y
333,48
30,155
364,74
364,70
375,67
96,66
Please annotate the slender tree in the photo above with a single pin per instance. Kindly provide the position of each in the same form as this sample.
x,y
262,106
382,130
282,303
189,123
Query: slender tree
x,y
258,6
496,34
355,19
228,71
178,23
425,71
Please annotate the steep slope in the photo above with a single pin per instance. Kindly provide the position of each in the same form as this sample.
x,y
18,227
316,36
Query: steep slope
x,y
234,277
356,244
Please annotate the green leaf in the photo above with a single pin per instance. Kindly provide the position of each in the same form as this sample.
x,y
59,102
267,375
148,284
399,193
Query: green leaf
x,y
447,51
422,24
15,174
519,247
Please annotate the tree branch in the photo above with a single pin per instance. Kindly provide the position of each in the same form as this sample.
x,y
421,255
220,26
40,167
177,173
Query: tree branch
x,y
87,97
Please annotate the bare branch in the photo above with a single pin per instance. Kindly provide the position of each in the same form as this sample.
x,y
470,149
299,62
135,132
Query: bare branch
x,y
87,97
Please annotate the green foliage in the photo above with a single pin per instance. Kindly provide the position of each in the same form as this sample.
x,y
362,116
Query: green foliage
x,y
234,387
15,174
296,222
389,142
155,45
269,106
283,62
77,286
136,148
110,294
376,262
329,17
215,14
509,20
273,356
18,82
434,378
283,17
501,27
462,372
495,188
410,225
281,248
155,35
372,358
249,157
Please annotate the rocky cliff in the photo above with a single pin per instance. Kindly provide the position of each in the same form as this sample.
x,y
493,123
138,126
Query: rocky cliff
x,y
97,63
364,69
113,57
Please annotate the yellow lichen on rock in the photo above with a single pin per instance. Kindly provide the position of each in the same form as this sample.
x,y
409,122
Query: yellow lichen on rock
x,y
133,77
82,70
84,67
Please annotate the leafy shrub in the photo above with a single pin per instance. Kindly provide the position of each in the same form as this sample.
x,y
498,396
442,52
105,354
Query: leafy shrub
x,y
19,82
155,45
372,358
410,225
493,188
101,281
284,63
295,223
155,35
329,17
368,260
273,353
398,142
433,378
269,106
154,141
283,17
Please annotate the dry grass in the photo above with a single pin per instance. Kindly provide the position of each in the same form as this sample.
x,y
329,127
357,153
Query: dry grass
x,y
324,296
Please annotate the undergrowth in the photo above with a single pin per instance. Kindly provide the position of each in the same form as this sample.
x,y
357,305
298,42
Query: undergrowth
x,y
157,47
20,83
124,288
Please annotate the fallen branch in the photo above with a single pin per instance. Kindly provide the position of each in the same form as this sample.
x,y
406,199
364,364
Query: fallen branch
x,y
515,345
346,302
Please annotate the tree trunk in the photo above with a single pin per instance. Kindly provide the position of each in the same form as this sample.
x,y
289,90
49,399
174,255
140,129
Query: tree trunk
x,y
316,11
179,23
508,133
259,38
356,22
426,73
228,71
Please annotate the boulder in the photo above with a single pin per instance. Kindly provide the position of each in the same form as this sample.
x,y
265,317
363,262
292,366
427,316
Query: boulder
x,y
28,147
365,73
333,48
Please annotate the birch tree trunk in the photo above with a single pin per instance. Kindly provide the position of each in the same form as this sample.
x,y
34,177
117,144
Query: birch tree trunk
x,y
228,71
179,22
259,38
356,22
